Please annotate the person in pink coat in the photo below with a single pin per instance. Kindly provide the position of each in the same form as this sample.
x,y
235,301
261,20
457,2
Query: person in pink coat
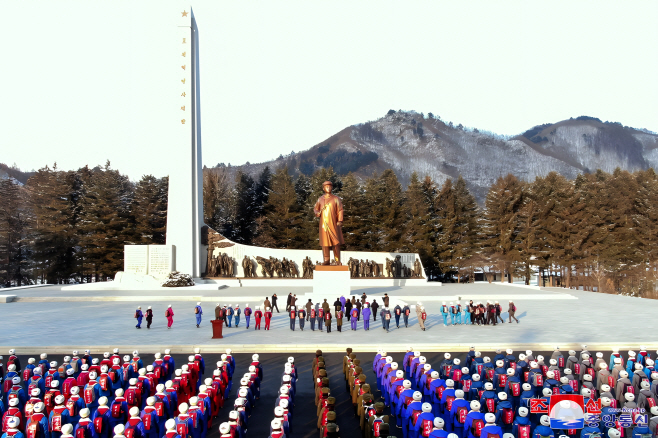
x,y
169,313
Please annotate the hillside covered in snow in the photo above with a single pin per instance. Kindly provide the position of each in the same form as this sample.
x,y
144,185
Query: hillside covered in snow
x,y
410,141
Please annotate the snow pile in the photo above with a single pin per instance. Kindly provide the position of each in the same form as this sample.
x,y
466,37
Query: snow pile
x,y
176,279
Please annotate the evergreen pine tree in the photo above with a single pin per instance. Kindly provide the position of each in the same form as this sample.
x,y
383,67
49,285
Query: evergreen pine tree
x,y
500,224
104,222
15,250
417,231
55,199
279,227
245,200
149,209
352,197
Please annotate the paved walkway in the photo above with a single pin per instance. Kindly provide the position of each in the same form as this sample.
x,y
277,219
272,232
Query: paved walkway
x,y
48,317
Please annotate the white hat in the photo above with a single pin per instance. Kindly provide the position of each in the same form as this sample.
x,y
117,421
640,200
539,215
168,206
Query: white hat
x,y
170,424
13,422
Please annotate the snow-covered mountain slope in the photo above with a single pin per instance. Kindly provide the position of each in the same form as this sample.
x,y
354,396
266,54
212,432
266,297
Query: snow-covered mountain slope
x,y
408,142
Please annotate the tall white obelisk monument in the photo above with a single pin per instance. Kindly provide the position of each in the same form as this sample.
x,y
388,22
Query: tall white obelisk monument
x,y
185,208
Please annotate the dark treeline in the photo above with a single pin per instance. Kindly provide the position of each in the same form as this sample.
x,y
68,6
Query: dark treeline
x,y
597,231
64,226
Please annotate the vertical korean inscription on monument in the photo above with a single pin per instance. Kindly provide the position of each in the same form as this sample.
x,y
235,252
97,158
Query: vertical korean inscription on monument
x,y
160,260
135,259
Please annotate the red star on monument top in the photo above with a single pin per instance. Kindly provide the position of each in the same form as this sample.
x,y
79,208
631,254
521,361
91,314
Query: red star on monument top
x,y
184,13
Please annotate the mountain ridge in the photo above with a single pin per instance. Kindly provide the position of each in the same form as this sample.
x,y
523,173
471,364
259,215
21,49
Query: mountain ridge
x,y
407,141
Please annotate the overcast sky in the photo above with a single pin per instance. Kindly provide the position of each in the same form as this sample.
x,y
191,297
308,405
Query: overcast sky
x,y
88,81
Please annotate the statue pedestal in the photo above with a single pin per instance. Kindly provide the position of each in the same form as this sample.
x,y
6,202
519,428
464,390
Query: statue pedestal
x,y
330,282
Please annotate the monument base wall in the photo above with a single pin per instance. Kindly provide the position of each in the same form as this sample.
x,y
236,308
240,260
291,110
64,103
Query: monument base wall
x,y
308,283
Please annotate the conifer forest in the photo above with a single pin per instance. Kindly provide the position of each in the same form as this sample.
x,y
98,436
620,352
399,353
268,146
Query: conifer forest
x,y
596,232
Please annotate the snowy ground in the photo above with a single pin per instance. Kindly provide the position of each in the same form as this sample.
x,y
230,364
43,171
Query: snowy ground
x,y
51,317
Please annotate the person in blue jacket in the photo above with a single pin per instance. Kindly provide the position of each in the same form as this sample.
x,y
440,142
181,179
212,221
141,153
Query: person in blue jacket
x,y
509,358
591,429
237,312
513,388
39,417
37,381
641,430
458,412
151,421
500,370
406,311
45,365
504,413
134,427
476,387
438,430
470,356
16,389
565,388
445,366
447,398
397,312
437,386
404,398
489,399
550,381
412,409
198,311
366,312
386,318
58,410
139,315
91,392
466,383
491,429
247,315
444,313
474,421
229,315
543,430
101,417
85,427
12,428
521,428
423,423
526,395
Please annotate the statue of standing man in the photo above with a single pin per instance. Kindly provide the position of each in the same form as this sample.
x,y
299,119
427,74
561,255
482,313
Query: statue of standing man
x,y
329,209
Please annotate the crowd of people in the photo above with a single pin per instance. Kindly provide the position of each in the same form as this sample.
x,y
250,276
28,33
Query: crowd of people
x,y
121,397
485,398
322,314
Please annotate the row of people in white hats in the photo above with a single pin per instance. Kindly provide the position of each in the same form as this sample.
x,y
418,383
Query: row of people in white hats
x,y
142,409
418,392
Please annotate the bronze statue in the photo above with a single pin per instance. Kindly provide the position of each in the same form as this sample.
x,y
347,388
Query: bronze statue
x,y
266,267
329,209
389,267
248,267
418,269
294,272
397,267
375,269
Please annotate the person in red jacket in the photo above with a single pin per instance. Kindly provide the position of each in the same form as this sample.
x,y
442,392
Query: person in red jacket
x,y
257,315
268,318
169,313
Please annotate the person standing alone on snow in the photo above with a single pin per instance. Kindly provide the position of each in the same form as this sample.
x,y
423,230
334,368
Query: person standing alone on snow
x,y
169,313
198,312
